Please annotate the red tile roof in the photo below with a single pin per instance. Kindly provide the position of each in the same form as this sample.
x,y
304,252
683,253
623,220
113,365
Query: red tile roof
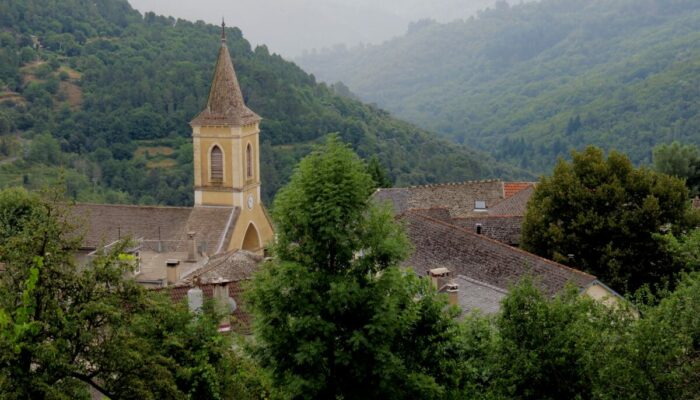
x,y
511,188
515,205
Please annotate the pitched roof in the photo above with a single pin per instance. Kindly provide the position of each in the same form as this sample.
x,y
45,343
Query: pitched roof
x,y
225,105
511,188
458,198
232,266
106,223
505,229
516,205
477,295
440,244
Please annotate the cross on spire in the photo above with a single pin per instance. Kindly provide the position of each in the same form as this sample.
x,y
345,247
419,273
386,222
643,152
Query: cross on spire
x,y
223,30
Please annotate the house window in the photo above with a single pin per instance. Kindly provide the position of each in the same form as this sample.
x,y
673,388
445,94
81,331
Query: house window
x,y
217,164
479,205
249,161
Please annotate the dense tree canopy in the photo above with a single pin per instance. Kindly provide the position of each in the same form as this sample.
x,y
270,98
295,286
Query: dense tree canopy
x,y
334,315
606,217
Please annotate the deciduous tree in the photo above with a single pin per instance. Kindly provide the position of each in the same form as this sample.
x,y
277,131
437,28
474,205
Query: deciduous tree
x,y
604,216
335,317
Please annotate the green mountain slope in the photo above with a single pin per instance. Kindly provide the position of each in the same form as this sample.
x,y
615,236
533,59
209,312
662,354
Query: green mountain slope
x,y
529,82
107,94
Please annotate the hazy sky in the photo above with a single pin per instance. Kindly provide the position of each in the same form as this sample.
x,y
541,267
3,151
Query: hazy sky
x,y
290,26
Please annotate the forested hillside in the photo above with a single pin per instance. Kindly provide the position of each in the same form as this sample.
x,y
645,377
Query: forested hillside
x,y
529,82
96,90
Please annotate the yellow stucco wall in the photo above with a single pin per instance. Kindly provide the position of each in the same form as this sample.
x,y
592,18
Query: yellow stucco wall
x,y
259,220
602,294
237,187
233,142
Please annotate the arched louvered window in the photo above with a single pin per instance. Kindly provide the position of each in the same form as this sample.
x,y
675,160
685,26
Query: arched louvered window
x,y
249,161
217,164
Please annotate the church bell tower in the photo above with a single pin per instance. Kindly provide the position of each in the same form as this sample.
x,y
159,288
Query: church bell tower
x,y
225,139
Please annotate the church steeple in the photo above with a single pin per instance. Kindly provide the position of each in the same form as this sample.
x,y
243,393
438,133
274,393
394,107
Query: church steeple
x,y
225,106
226,157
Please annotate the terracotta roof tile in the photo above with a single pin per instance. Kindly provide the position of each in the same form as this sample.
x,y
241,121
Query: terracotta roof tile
x,y
511,188
516,205
440,244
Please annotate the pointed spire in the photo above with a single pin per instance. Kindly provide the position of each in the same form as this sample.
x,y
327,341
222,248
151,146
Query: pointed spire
x,y
225,105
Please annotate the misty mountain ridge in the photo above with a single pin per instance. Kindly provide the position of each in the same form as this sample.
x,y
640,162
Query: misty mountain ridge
x,y
106,99
530,82
292,26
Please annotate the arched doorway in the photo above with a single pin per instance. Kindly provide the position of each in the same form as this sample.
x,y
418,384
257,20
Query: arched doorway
x,y
251,240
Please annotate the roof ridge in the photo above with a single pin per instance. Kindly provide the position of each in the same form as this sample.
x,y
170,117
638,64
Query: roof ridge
x,y
133,206
482,283
482,237
431,185
452,183
427,208
204,270
486,216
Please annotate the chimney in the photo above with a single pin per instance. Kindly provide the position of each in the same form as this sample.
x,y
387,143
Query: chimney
x,y
436,274
195,299
191,247
221,298
452,290
172,271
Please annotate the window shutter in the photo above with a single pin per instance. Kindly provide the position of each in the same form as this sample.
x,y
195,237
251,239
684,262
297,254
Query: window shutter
x,y
217,164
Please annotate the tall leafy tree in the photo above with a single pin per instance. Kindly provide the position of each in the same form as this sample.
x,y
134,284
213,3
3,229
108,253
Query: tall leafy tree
x,y
335,317
605,216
